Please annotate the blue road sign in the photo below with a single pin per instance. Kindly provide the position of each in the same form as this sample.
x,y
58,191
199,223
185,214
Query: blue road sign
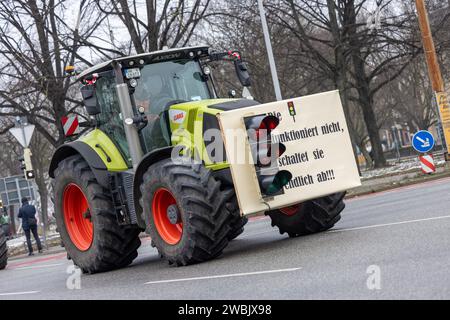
x,y
423,141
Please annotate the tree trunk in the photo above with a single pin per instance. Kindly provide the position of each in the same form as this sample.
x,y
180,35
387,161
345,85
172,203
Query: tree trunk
x,y
39,171
341,80
366,103
152,27
362,86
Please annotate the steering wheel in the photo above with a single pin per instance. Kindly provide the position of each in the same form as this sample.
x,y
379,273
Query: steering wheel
x,y
172,102
159,102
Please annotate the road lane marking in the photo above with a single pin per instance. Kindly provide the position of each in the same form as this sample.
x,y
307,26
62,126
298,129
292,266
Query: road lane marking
x,y
247,236
40,266
18,293
225,276
389,224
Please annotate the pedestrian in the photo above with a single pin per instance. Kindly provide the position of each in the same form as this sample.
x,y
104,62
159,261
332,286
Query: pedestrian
x,y
29,225
4,222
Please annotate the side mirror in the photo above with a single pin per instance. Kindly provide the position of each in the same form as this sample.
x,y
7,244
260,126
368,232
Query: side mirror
x,y
90,99
242,73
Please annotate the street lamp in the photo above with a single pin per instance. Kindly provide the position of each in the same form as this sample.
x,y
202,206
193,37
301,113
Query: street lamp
x,y
273,67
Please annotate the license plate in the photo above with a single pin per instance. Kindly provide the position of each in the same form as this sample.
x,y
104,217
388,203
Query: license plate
x,y
133,73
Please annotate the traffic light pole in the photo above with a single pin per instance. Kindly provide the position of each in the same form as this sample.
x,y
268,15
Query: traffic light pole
x,y
24,136
435,74
273,67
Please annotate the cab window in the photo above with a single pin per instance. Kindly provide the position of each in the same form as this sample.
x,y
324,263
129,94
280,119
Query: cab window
x,y
110,119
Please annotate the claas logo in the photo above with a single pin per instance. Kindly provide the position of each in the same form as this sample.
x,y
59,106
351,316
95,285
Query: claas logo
x,y
265,154
292,111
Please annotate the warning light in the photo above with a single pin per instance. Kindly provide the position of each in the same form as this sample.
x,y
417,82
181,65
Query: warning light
x,y
70,70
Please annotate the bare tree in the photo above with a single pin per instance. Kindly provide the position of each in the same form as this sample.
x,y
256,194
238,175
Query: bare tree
x,y
150,25
36,44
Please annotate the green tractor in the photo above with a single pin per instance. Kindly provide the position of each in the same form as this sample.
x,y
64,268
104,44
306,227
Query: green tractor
x,y
120,177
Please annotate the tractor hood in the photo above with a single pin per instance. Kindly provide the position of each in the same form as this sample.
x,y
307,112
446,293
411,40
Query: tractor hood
x,y
216,104
233,104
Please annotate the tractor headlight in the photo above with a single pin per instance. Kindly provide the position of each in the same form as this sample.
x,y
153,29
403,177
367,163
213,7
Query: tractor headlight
x,y
133,83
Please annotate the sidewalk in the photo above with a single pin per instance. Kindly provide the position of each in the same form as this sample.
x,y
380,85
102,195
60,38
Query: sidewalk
x,y
50,251
397,176
18,246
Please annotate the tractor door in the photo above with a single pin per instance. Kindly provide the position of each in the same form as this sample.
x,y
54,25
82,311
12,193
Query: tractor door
x,y
110,119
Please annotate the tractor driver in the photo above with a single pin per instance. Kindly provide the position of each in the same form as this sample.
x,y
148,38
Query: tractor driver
x,y
153,96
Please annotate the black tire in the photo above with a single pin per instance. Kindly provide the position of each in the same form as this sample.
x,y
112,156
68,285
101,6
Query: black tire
x,y
237,224
113,246
206,209
312,216
3,250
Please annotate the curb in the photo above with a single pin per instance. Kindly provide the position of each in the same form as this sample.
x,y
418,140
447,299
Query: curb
x,y
23,249
394,184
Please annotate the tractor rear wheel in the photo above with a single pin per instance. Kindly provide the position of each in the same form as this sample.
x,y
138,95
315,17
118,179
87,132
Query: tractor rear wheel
x,y
238,223
310,217
3,250
86,219
188,212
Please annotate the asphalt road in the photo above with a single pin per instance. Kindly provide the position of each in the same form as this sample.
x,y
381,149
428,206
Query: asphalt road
x,y
401,235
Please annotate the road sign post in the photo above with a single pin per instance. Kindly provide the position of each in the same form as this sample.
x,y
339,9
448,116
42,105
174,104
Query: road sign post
x,y
23,134
423,142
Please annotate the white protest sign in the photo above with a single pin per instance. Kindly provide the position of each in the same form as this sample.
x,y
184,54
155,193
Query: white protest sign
x,y
318,152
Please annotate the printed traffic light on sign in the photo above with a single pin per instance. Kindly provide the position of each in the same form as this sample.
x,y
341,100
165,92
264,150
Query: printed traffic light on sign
x,y
265,153
292,111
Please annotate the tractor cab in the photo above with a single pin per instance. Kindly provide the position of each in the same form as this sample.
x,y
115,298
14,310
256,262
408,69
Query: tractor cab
x,y
154,83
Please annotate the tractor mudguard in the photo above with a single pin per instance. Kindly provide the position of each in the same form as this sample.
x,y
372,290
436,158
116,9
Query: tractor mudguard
x,y
147,161
92,158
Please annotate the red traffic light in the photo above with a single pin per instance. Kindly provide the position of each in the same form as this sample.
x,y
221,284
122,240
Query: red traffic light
x,y
261,126
269,123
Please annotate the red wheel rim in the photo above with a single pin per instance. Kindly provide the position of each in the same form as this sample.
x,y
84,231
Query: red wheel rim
x,y
77,221
170,233
290,211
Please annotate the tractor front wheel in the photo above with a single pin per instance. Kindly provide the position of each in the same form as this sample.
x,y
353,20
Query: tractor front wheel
x,y
3,250
86,219
310,217
189,214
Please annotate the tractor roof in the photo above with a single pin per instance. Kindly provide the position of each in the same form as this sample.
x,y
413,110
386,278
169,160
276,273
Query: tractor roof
x,y
150,57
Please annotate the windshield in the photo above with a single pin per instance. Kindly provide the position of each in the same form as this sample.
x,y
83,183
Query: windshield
x,y
164,83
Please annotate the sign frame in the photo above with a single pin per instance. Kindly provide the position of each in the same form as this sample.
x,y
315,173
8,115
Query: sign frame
x,y
314,111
